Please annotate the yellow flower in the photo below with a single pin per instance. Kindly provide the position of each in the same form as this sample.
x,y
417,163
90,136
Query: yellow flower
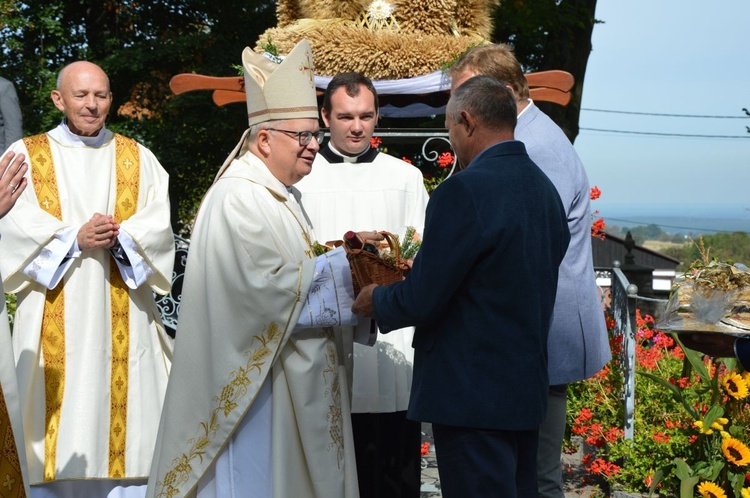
x,y
735,386
725,435
717,426
698,424
708,489
746,377
735,451
722,420
745,493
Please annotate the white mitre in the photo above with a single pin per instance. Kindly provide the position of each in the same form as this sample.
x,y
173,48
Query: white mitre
x,y
277,91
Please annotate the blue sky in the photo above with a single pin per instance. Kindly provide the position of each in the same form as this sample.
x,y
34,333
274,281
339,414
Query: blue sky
x,y
668,57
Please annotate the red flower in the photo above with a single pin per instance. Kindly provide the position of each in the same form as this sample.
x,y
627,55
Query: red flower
x,y
375,142
425,448
613,434
404,159
661,438
597,228
595,193
445,159
601,466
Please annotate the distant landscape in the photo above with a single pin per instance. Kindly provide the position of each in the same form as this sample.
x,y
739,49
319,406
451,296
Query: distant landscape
x,y
682,219
671,229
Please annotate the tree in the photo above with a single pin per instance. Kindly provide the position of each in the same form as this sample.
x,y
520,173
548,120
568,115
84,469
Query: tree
x,y
551,34
142,44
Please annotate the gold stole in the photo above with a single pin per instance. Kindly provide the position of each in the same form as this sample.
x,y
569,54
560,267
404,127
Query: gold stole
x,y
11,479
127,161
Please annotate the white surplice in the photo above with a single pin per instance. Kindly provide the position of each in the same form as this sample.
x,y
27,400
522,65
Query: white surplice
x,y
86,179
12,400
384,194
254,406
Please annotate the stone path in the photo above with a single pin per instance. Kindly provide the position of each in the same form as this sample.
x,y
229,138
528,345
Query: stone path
x,y
574,477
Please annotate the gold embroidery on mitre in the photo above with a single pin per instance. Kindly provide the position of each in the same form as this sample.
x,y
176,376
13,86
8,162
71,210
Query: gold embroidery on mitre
x,y
276,110
226,402
53,317
128,167
307,67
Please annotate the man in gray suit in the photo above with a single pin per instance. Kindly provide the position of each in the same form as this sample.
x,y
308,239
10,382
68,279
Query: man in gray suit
x,y
578,345
10,115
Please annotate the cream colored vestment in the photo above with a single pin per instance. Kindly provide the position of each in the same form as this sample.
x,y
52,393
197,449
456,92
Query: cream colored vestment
x,y
86,184
385,194
240,369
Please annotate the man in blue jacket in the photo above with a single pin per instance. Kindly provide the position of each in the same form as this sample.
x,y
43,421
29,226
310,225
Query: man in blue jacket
x,y
578,343
481,294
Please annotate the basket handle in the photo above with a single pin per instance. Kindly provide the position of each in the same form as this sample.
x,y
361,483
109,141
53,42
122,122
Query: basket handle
x,y
394,245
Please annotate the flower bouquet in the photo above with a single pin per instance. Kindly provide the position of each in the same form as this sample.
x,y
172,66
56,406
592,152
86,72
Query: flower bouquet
x,y
712,296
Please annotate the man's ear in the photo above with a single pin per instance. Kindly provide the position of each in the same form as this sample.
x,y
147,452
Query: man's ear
x,y
57,100
262,142
324,115
468,122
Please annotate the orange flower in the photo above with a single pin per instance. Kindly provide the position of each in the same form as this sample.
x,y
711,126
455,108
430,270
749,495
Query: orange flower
x,y
375,142
595,193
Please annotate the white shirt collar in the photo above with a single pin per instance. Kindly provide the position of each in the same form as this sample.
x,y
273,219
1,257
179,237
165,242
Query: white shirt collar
x,y
347,159
63,134
525,108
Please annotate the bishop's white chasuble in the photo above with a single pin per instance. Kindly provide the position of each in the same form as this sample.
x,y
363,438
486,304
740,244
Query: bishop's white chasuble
x,y
253,408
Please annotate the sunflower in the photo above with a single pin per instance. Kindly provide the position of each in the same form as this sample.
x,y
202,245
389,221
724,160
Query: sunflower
x,y
735,386
735,451
708,489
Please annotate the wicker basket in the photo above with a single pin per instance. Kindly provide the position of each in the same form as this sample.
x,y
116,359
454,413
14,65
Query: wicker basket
x,y
368,268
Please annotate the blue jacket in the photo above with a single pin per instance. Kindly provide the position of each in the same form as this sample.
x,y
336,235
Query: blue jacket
x,y
481,294
578,342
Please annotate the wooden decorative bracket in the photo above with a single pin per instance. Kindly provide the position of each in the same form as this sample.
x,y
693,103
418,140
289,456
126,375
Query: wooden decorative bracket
x,y
547,86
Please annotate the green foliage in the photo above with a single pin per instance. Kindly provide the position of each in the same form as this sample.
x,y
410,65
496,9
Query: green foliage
x,y
10,303
686,408
140,45
411,243
724,247
550,34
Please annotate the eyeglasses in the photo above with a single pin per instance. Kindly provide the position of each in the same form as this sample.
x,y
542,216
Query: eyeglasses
x,y
303,137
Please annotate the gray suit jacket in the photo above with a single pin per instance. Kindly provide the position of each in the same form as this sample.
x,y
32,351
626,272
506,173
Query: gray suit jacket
x,y
11,126
578,345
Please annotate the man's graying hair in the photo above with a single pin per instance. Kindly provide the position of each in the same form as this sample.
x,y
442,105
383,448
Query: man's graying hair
x,y
485,98
495,60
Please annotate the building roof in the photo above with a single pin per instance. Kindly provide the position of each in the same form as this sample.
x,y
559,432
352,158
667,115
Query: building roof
x,y
613,248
